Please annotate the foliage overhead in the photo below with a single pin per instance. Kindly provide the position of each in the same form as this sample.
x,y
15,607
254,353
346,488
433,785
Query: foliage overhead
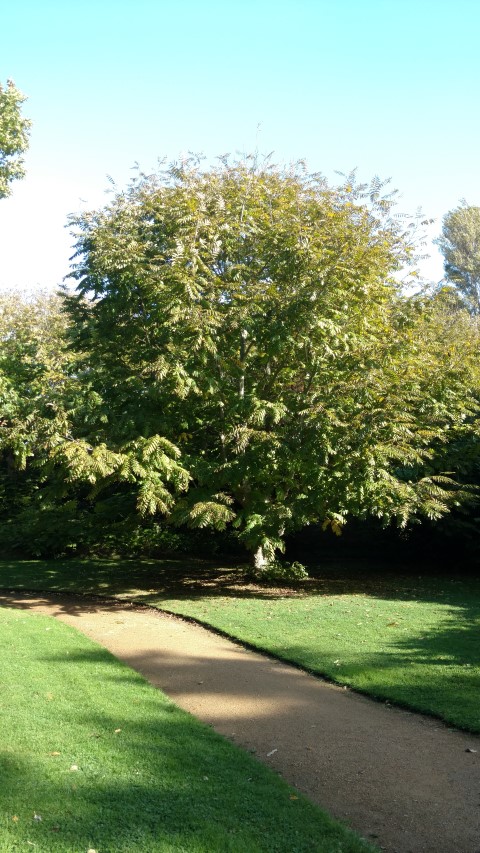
x,y
14,132
460,245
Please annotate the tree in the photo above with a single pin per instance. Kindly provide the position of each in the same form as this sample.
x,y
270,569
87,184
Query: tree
x,y
460,244
47,508
33,372
243,325
14,132
33,391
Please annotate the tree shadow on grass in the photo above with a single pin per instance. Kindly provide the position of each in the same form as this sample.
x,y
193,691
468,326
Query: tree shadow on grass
x,y
446,656
147,777
190,577
180,799
435,672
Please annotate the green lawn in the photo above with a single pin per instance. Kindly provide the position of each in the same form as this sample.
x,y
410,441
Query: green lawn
x,y
408,639
92,758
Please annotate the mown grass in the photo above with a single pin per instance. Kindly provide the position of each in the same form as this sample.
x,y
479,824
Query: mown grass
x,y
92,758
392,635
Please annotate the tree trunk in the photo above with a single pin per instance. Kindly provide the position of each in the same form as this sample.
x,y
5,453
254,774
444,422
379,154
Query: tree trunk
x,y
259,559
241,381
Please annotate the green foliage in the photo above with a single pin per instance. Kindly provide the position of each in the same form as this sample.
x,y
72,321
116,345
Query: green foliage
x,y
52,475
238,357
35,394
281,571
460,245
250,316
33,372
14,132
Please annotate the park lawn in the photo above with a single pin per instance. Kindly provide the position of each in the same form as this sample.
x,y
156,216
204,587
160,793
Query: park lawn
x,y
92,757
410,640
419,652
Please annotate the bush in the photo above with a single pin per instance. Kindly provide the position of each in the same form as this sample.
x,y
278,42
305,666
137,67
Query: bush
x,y
283,572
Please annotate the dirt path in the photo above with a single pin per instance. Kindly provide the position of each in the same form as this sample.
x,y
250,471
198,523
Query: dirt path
x,y
406,782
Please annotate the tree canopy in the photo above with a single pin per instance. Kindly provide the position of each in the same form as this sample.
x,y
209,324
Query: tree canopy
x,y
460,245
252,360
14,132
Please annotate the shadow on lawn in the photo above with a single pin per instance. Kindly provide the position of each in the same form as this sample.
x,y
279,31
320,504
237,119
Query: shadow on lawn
x,y
172,789
435,670
148,778
454,642
201,578
169,776
445,680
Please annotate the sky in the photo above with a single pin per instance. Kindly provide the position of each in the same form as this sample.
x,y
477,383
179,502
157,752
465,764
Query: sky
x,y
387,87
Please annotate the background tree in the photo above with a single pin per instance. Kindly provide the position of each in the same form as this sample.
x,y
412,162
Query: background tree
x,y
246,317
460,244
33,400
14,132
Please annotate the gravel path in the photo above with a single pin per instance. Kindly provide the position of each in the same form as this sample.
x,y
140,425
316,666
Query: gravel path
x,y
404,781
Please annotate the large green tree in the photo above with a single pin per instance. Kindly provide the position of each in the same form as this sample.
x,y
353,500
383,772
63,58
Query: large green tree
x,y
241,328
460,245
14,132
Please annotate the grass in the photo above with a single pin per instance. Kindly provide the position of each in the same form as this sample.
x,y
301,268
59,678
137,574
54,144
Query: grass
x,y
92,758
399,637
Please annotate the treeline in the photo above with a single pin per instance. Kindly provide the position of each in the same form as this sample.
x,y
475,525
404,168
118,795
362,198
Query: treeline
x,y
237,363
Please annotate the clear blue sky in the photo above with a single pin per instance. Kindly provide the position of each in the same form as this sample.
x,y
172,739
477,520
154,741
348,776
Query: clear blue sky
x,y
388,86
